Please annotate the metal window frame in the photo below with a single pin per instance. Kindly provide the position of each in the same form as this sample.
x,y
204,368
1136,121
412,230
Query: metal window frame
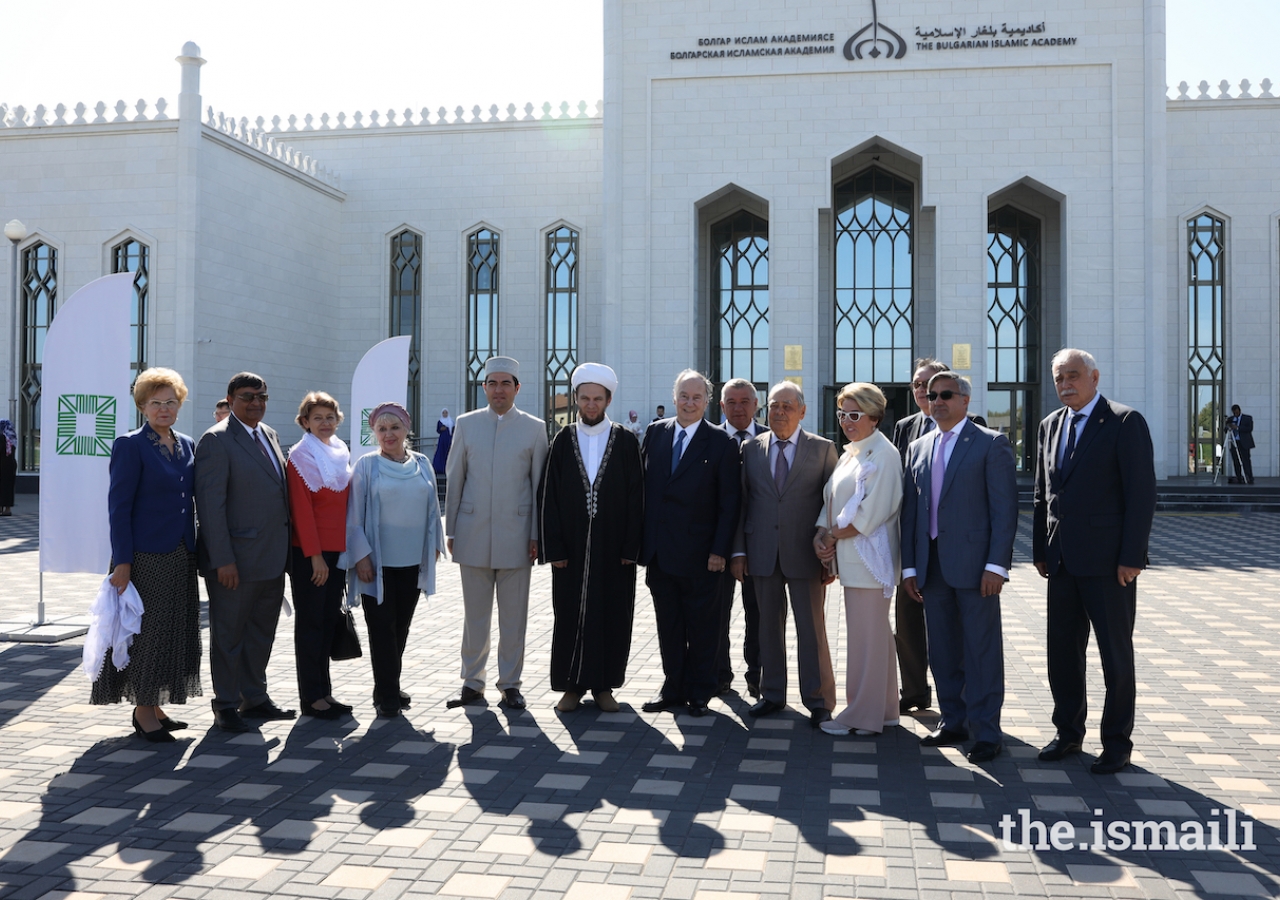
x,y
396,324
478,353
1206,359
35,289
560,361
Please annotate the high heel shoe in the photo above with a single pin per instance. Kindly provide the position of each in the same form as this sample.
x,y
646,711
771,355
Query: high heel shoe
x,y
171,724
159,736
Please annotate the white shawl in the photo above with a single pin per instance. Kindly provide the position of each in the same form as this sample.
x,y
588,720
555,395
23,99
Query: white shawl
x,y
322,465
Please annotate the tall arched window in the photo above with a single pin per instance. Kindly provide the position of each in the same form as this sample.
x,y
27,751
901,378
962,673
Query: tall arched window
x,y
39,302
406,307
874,281
1013,329
134,256
562,326
1206,351
740,297
482,310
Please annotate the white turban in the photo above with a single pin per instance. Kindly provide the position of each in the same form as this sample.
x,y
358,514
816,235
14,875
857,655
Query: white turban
x,y
595,373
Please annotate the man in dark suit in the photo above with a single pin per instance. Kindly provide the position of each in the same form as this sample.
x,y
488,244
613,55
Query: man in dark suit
x,y
959,519
783,474
739,403
691,494
242,550
1095,498
1242,430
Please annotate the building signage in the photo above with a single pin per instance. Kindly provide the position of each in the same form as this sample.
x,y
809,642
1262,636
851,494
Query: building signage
x,y
874,41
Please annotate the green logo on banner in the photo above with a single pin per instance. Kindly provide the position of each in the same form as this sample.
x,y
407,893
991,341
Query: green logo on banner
x,y
366,436
86,425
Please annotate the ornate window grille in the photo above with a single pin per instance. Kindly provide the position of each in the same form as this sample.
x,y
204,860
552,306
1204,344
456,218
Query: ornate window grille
x,y
1013,329
1206,350
482,310
874,280
406,308
740,292
562,326
135,256
39,302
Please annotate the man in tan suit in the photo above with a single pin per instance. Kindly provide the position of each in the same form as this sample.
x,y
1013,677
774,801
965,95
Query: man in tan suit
x,y
492,476
783,474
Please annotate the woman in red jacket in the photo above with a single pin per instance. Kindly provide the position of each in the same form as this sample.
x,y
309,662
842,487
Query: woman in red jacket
x,y
319,473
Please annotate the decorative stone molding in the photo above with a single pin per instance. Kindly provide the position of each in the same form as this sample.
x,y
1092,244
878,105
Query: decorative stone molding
x,y
1224,91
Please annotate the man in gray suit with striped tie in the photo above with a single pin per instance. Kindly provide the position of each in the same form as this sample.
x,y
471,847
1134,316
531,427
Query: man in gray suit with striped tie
x,y
242,549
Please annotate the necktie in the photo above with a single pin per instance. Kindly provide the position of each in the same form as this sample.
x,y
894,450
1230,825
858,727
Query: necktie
x,y
265,452
780,467
928,426
937,472
742,437
1071,439
679,448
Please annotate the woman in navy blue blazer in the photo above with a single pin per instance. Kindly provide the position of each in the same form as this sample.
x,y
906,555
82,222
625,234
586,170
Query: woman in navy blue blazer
x,y
153,543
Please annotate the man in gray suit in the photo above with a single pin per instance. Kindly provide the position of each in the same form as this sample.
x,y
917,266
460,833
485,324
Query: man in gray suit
x,y
959,518
492,476
242,549
783,474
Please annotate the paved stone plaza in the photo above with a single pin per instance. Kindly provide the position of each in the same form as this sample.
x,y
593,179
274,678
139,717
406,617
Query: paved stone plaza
x,y
481,802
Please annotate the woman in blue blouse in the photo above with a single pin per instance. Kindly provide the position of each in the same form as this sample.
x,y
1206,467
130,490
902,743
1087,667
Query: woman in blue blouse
x,y
153,543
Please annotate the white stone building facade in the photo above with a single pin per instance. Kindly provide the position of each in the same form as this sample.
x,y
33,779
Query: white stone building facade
x,y
769,189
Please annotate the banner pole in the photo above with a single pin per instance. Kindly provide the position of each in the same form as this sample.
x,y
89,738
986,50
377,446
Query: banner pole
x,y
40,606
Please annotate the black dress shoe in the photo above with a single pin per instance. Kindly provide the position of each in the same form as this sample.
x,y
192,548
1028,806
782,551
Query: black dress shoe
x,y
159,736
943,737
468,696
269,711
907,704
724,687
343,707
698,709
332,712
1059,748
229,720
658,704
984,751
1109,763
753,688
169,724
818,716
387,712
513,699
765,707
405,700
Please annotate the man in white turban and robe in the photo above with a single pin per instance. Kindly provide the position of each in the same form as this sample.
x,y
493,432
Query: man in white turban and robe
x,y
592,511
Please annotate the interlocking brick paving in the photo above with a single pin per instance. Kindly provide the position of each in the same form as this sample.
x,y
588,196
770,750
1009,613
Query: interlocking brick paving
x,y
485,802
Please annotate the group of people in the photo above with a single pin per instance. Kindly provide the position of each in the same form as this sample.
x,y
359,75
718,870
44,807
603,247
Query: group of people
x,y
926,522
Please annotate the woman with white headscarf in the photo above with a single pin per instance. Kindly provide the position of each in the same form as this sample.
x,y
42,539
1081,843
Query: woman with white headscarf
x,y
319,472
444,440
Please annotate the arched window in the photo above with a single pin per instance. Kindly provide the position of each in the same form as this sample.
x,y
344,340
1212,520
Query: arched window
x,y
562,326
134,256
1206,351
1013,329
740,299
406,308
874,281
39,302
482,310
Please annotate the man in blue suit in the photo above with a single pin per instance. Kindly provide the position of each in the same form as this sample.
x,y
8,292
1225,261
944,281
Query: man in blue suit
x,y
1241,427
1094,503
959,519
691,496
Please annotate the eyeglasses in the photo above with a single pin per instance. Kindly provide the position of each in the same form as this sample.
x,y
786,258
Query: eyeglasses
x,y
919,385
249,398
942,395
162,404
845,416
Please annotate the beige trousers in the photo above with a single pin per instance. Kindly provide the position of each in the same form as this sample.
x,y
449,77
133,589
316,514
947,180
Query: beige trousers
x,y
871,671
478,588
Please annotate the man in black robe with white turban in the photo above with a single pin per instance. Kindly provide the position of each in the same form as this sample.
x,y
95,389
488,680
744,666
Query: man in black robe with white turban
x,y
592,508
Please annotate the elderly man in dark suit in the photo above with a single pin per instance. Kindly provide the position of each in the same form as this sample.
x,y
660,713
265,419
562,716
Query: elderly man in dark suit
x,y
959,519
783,474
739,404
242,550
1241,427
691,496
1095,498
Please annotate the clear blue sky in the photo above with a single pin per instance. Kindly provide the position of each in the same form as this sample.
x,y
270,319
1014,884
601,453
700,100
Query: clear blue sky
x,y
267,57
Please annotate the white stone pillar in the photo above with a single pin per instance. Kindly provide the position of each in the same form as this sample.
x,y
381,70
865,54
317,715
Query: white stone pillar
x,y
187,221
1168,435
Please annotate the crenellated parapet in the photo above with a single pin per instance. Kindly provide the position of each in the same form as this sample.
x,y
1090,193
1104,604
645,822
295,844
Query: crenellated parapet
x,y
441,117
258,138
1224,88
19,117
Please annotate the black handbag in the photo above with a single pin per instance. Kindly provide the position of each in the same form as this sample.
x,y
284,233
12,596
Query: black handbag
x,y
346,643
